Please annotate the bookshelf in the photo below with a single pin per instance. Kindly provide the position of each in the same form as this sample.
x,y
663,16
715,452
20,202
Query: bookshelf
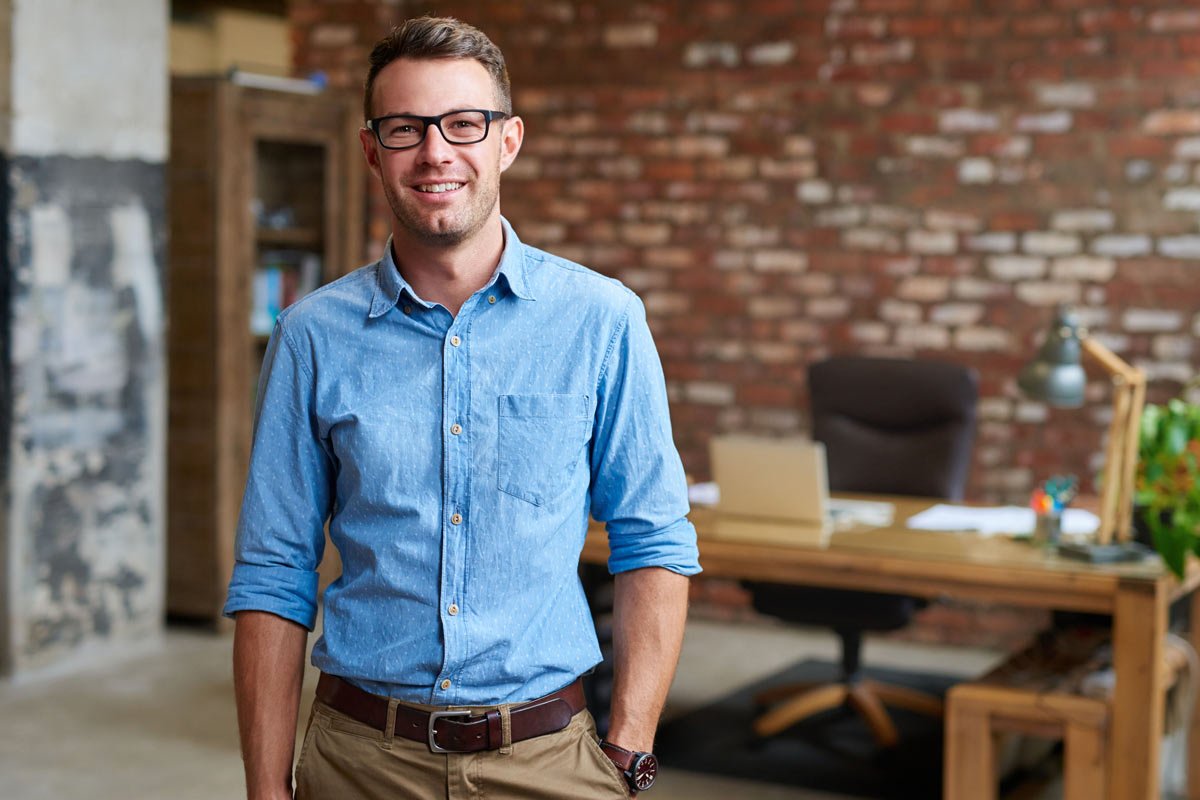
x,y
266,203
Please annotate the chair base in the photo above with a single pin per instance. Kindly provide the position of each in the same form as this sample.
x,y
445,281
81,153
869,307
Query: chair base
x,y
796,702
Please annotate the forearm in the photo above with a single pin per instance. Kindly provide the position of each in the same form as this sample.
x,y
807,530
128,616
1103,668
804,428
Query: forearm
x,y
649,613
268,670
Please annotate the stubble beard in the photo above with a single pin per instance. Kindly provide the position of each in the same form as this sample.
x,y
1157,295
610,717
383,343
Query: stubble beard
x,y
442,230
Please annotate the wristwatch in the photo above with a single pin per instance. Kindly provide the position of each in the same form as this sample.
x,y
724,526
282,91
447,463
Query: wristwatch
x,y
639,769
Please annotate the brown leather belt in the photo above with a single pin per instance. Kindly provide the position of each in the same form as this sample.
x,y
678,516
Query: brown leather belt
x,y
454,731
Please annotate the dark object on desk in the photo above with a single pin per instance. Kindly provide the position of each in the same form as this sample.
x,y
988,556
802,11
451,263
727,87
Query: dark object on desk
x,y
832,752
1105,553
890,427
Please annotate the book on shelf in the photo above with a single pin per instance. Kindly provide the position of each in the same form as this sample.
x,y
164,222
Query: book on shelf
x,y
282,278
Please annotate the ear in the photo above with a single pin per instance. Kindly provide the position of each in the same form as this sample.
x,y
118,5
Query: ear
x,y
370,151
510,142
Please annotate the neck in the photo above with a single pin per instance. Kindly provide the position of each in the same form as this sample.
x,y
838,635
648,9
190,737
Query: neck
x,y
449,275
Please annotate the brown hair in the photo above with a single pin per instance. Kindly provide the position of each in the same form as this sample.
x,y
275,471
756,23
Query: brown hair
x,y
438,37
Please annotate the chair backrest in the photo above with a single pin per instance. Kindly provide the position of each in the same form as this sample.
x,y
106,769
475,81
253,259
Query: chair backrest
x,y
895,426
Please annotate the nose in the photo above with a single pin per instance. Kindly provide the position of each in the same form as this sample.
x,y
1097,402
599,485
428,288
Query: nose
x,y
435,148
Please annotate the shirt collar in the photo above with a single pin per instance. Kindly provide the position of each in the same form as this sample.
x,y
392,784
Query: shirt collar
x,y
390,284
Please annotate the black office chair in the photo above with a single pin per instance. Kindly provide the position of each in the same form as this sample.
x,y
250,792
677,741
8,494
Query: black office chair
x,y
889,426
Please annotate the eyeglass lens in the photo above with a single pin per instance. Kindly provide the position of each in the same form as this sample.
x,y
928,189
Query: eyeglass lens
x,y
459,127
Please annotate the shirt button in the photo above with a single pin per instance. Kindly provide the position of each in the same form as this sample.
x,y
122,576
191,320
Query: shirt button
x,y
456,429
452,610
456,518
454,340
491,298
408,309
445,684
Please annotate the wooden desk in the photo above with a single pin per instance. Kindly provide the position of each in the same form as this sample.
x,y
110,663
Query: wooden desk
x,y
995,569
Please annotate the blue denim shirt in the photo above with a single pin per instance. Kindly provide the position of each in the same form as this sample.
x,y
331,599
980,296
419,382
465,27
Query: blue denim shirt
x,y
457,460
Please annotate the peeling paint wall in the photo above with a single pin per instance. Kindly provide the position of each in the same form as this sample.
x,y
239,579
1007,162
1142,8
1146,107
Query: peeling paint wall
x,y
84,388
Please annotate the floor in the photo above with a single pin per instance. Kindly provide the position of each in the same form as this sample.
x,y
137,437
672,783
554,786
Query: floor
x,y
162,724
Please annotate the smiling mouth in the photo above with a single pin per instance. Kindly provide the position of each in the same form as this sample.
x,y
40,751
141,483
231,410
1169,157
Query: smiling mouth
x,y
437,188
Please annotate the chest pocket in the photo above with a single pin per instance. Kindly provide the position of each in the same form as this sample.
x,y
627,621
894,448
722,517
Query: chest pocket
x,y
540,439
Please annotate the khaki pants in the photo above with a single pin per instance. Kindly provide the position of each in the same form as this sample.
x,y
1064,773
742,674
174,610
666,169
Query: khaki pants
x,y
342,759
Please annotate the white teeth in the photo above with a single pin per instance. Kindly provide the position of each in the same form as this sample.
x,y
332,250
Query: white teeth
x,y
438,188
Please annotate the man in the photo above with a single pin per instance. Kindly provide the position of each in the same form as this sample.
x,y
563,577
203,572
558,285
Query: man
x,y
455,412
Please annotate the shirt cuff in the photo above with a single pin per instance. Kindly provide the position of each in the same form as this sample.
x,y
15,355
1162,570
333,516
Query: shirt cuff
x,y
672,548
283,591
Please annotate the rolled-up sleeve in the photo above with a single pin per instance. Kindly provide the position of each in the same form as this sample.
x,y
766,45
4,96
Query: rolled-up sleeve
x,y
281,533
638,486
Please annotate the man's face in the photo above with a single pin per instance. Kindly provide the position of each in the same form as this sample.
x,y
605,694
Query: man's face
x,y
441,194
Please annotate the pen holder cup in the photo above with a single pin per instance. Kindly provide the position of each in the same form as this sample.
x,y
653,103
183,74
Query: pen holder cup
x,y
1048,529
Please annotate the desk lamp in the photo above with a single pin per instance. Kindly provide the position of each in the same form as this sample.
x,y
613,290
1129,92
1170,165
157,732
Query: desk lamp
x,y
1056,377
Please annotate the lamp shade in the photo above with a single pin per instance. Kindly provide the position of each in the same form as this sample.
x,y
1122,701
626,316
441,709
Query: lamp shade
x,y
1056,374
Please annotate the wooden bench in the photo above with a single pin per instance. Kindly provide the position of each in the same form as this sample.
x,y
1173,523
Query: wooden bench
x,y
1037,692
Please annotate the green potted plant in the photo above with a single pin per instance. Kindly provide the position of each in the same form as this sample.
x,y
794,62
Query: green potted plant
x,y
1168,480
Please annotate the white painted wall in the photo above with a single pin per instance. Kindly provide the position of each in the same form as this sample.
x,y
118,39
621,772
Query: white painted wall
x,y
89,78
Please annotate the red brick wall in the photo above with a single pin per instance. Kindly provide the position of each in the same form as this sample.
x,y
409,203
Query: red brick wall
x,y
782,180
785,179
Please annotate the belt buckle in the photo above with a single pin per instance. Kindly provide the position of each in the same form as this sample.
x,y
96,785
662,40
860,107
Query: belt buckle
x,y
434,716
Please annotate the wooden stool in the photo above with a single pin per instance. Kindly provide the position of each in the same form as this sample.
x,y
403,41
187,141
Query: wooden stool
x,y
1035,692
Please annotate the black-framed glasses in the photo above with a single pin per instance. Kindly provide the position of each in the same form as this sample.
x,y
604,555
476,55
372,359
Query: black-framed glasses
x,y
402,131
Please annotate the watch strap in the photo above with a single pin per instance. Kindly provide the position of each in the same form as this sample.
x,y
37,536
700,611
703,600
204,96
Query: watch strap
x,y
619,755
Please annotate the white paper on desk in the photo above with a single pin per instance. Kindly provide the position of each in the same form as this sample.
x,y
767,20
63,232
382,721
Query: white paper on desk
x,y
704,494
990,521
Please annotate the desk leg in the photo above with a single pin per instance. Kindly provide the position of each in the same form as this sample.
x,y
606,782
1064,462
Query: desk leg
x,y
1193,767
1139,628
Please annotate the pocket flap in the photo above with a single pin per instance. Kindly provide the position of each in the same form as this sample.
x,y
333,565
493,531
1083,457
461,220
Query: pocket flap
x,y
554,406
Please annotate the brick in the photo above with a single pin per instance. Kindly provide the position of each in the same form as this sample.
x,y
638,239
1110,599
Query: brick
x,y
855,27
773,307
1172,122
1083,219
657,303
1180,247
993,242
1066,95
960,221
1172,348
642,234
1159,371
812,283
1050,122
827,307
874,95
1188,149
924,288
1183,199
870,332
633,34
700,55
956,314
929,337
1139,170
1016,268
840,217
779,261
892,217
1174,21
1048,293
788,169
967,120
899,312
877,53
934,147
814,192
976,171
978,289
1176,173
1083,268
1122,245
640,280
753,236
730,259
871,239
1050,243
1151,320
770,53
709,393
932,242
803,331
982,339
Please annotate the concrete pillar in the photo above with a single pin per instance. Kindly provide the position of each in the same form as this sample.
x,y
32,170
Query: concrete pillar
x,y
82,387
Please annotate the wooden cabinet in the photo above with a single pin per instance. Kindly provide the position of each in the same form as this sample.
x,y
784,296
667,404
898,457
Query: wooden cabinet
x,y
266,202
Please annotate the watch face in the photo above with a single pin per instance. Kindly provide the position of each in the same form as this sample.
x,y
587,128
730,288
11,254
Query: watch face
x,y
644,770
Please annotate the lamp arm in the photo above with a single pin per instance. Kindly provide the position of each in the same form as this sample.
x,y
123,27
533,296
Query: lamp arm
x,y
1129,397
